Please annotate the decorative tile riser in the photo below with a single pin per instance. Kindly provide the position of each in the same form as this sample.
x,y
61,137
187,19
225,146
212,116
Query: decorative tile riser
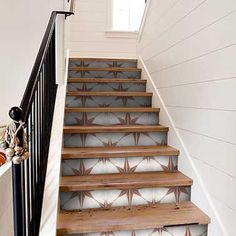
x,y
186,230
101,64
119,165
128,197
111,118
110,87
115,139
105,74
107,101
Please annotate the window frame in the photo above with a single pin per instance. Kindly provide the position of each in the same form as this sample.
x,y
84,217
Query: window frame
x,y
112,33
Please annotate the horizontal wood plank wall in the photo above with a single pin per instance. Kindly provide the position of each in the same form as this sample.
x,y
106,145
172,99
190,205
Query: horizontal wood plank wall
x,y
189,48
88,37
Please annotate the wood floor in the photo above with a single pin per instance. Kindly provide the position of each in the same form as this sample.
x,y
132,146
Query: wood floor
x,y
126,218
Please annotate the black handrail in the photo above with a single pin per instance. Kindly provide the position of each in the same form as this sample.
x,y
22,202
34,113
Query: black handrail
x,y
27,100
36,113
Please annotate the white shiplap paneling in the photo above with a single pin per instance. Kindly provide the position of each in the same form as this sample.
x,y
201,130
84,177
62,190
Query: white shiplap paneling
x,y
88,36
189,49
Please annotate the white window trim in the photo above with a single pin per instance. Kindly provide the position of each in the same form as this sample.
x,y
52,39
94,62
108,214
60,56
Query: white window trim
x,y
110,33
121,34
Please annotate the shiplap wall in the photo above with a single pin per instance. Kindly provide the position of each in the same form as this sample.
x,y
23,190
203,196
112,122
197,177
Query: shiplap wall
x,y
189,49
88,37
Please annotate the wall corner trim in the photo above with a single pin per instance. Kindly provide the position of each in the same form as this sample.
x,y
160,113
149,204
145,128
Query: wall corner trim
x,y
183,146
143,21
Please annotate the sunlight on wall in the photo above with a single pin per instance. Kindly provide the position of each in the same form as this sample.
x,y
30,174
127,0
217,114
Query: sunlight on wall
x,y
127,14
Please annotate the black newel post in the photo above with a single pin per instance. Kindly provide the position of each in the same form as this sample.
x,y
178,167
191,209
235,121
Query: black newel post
x,y
16,115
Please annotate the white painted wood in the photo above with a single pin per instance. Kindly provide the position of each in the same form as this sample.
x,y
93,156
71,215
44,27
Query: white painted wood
x,y
186,162
189,49
227,214
89,26
175,12
60,58
51,190
145,15
101,47
121,34
89,37
198,20
205,95
218,184
168,54
211,151
6,210
102,54
212,123
214,66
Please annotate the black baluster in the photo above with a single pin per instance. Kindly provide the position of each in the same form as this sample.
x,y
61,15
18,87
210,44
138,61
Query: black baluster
x,y
36,110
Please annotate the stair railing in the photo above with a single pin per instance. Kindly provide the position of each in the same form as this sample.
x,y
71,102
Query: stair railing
x,y
33,119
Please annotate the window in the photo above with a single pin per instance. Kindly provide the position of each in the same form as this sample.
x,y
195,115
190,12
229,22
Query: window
x,y
127,14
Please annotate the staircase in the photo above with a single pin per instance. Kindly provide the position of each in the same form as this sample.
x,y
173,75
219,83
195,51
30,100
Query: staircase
x,y
119,176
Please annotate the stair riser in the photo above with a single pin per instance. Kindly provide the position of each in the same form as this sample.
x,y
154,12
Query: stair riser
x,y
119,165
115,139
128,197
104,74
111,118
191,230
117,87
101,64
107,101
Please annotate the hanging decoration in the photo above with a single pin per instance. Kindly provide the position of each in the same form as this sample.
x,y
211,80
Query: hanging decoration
x,y
16,149
3,157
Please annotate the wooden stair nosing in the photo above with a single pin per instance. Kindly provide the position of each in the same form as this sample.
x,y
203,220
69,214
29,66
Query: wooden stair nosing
x,y
117,152
121,181
116,69
106,80
112,109
130,218
107,94
104,59
115,129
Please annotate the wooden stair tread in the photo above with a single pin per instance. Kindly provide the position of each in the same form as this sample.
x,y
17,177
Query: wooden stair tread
x,y
104,59
111,109
116,94
117,69
106,80
115,129
122,151
130,218
124,181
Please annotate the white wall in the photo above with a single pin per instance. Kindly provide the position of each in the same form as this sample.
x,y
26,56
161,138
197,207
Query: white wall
x,y
88,36
22,25
189,49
